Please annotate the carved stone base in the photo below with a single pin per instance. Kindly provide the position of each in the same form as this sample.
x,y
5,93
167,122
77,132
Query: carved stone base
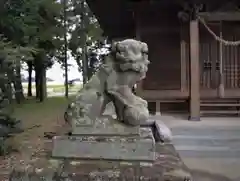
x,y
118,147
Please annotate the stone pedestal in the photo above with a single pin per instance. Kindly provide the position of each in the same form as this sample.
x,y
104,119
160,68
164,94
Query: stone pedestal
x,y
115,147
109,150
166,167
107,139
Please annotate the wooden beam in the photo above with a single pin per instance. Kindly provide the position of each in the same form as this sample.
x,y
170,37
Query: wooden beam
x,y
220,16
183,66
159,29
194,72
164,94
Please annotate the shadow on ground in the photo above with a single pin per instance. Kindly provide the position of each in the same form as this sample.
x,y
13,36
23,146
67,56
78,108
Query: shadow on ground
x,y
199,175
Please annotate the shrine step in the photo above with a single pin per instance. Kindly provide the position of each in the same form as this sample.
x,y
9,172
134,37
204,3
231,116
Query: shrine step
x,y
220,104
220,107
220,112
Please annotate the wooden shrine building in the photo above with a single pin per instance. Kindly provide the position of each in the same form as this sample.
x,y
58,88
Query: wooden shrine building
x,y
193,49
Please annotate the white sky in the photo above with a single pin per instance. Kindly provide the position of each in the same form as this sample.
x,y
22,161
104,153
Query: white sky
x,y
57,73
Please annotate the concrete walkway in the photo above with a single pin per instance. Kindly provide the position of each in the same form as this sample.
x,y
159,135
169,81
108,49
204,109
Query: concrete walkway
x,y
210,148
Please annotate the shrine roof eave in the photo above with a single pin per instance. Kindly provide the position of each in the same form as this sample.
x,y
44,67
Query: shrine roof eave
x,y
114,17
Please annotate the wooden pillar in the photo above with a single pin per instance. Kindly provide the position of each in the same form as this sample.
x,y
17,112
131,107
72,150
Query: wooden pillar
x,y
158,108
137,37
194,72
183,46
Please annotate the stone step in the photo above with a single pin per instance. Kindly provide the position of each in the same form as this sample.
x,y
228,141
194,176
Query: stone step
x,y
210,153
224,133
231,143
207,142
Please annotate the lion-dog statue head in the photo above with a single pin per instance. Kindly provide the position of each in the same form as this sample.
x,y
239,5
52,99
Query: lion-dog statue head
x,y
130,59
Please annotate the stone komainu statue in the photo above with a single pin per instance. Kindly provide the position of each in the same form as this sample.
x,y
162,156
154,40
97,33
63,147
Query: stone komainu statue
x,y
96,136
126,65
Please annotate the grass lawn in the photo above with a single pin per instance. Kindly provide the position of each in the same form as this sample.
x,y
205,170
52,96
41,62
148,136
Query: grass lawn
x,y
31,144
45,114
33,109
57,88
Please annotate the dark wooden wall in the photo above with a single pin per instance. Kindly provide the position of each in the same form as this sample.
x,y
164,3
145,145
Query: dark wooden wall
x,y
165,56
168,53
168,39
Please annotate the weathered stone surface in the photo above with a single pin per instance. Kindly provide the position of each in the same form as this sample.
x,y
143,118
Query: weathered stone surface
x,y
165,134
126,65
105,125
161,132
138,148
148,122
167,167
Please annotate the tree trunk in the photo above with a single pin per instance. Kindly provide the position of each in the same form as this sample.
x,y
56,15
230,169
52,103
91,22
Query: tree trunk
x,y
13,80
17,95
37,81
40,71
85,66
9,89
42,85
84,48
6,96
18,84
65,49
30,68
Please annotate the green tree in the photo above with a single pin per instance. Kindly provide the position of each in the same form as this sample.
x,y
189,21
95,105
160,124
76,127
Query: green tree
x,y
36,24
85,37
49,31
30,33
8,53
